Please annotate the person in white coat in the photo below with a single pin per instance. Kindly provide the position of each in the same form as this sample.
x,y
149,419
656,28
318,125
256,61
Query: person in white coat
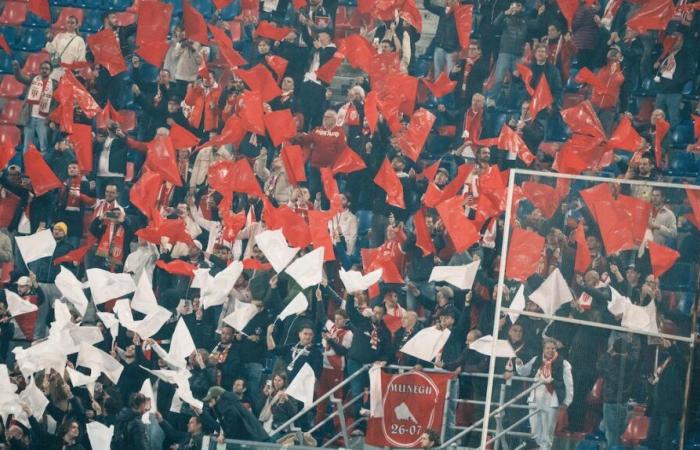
x,y
66,47
556,392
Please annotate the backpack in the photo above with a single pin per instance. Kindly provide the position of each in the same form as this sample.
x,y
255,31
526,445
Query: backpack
x,y
120,438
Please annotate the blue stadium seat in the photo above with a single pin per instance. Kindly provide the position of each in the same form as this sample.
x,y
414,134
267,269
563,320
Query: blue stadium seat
x,y
31,40
114,5
682,135
682,164
364,221
35,21
10,33
230,12
571,84
177,6
587,445
203,6
92,22
62,2
5,63
422,66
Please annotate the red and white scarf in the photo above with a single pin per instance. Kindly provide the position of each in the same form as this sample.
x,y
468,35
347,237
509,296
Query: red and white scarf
x,y
546,370
40,93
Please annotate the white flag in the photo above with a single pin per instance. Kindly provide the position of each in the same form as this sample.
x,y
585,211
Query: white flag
x,y
461,277
100,435
181,345
218,288
308,269
106,286
98,361
302,386
354,281
552,293
275,248
34,398
17,305
36,246
147,391
484,345
241,315
150,324
144,300
618,302
72,290
298,305
376,406
426,344
640,317
80,379
517,303
110,322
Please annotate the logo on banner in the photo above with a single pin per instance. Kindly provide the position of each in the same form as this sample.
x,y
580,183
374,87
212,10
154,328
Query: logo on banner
x,y
409,408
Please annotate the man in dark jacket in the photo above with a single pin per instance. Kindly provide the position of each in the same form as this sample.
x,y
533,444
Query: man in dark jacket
x,y
252,349
44,268
673,71
514,27
618,376
446,40
235,420
190,440
110,152
129,432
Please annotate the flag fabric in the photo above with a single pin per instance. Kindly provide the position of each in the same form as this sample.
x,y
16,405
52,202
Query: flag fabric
x,y
354,281
625,137
541,97
552,293
307,270
40,8
441,86
524,254
662,128
387,179
280,126
583,254
460,229
297,305
461,277
424,241
106,51
182,137
348,161
542,197
42,177
225,46
194,24
652,15
273,245
662,258
412,140
162,158
36,246
144,193
177,267
582,119
81,138
463,20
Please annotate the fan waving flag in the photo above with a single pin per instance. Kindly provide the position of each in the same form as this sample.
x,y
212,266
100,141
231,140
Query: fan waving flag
x,y
105,48
662,258
583,254
412,140
460,229
441,86
161,158
40,174
625,137
652,15
662,128
387,179
541,98
524,254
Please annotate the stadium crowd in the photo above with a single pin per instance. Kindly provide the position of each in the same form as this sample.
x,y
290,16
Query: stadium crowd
x,y
146,148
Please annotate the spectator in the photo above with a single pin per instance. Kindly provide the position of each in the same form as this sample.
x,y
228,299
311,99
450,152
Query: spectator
x,y
514,26
39,104
66,47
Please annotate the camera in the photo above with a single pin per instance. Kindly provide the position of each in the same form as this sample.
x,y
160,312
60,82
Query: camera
x,y
112,214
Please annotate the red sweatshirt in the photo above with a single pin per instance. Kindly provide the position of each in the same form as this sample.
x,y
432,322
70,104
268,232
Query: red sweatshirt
x,y
324,145
611,79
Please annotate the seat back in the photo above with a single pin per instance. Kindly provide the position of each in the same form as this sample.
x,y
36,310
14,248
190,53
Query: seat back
x,y
11,111
637,430
33,62
9,135
14,13
10,87
60,23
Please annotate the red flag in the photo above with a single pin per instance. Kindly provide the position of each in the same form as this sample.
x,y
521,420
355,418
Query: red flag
x,y
662,258
586,76
583,254
194,23
371,113
433,196
582,119
696,124
233,224
173,229
463,20
269,30
694,202
511,141
387,179
526,75
524,254
277,64
144,193
412,140
105,48
294,159
320,236
430,171
293,225
662,128
42,177
78,255
330,188
178,266
625,137
108,113
442,85
225,46
542,196
541,98
153,52
359,52
411,15
637,212
568,9
181,137
260,79
162,158
326,72
372,260
221,4
348,161
423,239
579,153
616,232
229,176
81,138
600,193
457,183
280,126
460,229
40,8
153,23
232,133
254,264
251,112
4,45
652,15
87,104
27,321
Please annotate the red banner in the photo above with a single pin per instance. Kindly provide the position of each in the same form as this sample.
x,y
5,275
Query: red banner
x,y
412,403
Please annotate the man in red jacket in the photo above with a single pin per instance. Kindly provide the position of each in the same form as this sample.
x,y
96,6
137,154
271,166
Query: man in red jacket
x,y
323,145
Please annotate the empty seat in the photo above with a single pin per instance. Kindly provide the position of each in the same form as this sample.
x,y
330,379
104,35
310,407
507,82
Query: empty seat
x,y
636,431
62,3
114,5
230,12
92,21
10,87
11,111
14,13
60,23
9,136
682,135
33,62
10,34
680,277
5,63
32,40
205,7
682,163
